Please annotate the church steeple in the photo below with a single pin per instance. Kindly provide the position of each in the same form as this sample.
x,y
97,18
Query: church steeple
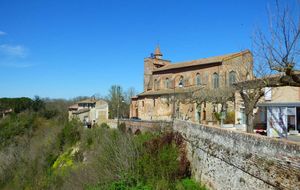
x,y
157,53
151,63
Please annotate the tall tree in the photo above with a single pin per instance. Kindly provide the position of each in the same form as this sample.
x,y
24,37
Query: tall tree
x,y
131,92
115,98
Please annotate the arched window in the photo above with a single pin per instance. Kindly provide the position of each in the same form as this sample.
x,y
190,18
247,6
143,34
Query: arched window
x,y
215,80
198,79
232,77
167,83
181,81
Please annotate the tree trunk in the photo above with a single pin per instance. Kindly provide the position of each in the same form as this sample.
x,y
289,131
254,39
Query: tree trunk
x,y
249,122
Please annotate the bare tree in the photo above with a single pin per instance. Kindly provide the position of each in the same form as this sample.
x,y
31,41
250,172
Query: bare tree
x,y
202,94
279,47
277,59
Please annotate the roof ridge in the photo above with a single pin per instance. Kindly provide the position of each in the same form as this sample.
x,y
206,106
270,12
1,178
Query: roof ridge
x,y
207,60
234,55
216,56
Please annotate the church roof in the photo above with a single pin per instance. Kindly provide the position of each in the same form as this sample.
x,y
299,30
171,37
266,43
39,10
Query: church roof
x,y
215,59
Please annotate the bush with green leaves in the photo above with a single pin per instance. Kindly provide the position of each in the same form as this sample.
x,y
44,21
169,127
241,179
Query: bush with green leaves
x,y
16,125
122,127
70,133
26,160
163,161
104,125
159,163
189,184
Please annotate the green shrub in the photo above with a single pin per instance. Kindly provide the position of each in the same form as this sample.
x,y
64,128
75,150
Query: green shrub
x,y
161,159
217,116
70,133
49,114
32,152
17,125
163,184
142,138
122,127
38,104
63,162
159,166
189,184
104,126
162,164
127,183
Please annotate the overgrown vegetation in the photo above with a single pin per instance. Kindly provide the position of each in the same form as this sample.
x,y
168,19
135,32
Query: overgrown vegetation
x,y
46,151
118,161
31,142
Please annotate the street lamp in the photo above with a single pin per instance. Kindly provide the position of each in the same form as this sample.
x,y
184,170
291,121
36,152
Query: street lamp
x,y
180,85
118,110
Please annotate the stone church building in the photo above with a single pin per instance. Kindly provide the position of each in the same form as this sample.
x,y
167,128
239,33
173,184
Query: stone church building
x,y
164,80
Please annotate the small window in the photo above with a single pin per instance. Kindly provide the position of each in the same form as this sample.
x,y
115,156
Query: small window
x,y
143,104
198,79
156,84
167,83
215,80
153,102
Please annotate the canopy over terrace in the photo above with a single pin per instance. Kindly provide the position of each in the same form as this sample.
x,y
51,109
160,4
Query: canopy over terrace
x,y
281,117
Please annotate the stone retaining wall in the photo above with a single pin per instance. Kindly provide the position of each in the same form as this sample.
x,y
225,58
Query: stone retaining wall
x,y
226,159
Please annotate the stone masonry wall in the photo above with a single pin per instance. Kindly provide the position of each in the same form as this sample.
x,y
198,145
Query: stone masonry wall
x,y
146,126
224,159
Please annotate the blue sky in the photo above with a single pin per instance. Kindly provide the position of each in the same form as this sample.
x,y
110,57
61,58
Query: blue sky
x,y
63,49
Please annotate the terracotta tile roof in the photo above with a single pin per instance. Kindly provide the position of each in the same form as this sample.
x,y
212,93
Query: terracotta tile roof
x,y
81,111
203,61
74,106
89,100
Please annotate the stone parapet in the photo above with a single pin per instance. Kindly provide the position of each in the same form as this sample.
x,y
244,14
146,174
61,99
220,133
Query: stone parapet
x,y
224,159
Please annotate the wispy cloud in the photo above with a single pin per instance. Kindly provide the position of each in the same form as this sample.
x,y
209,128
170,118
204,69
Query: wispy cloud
x,y
13,50
15,56
19,65
2,33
